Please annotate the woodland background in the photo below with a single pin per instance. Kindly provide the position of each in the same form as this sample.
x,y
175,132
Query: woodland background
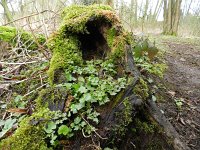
x,y
138,16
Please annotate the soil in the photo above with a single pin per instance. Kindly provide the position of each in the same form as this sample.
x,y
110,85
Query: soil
x,y
182,82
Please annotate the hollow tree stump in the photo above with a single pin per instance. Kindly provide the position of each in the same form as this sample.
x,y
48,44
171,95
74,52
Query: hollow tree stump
x,y
88,37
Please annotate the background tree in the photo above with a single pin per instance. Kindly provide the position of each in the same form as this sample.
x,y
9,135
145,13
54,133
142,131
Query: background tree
x,y
172,11
7,12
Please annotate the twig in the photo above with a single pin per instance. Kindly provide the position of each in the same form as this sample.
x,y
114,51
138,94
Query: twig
x,y
93,130
35,90
18,63
28,16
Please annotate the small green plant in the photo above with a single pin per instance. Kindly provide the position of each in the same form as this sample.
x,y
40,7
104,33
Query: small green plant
x,y
144,64
89,85
143,47
7,125
179,103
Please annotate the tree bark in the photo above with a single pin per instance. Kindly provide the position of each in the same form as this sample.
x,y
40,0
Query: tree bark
x,y
7,12
176,17
110,2
136,11
172,9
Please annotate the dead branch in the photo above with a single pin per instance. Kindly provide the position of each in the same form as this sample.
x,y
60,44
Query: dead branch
x,y
28,16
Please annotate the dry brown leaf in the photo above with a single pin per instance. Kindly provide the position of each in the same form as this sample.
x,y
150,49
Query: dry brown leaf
x,y
70,98
172,93
18,110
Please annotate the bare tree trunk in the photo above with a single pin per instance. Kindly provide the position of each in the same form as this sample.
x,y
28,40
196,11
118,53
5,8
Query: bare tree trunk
x,y
165,17
169,17
7,12
159,9
110,2
176,17
155,10
131,12
172,9
146,9
188,9
136,12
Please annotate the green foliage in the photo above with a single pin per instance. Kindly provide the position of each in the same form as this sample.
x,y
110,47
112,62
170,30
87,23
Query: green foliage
x,y
87,88
63,129
7,125
179,103
89,85
144,47
28,135
150,67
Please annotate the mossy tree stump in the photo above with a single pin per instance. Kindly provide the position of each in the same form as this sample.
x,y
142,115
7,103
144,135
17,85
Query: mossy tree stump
x,y
90,102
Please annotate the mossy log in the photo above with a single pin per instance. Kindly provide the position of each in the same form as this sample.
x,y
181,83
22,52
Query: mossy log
x,y
126,120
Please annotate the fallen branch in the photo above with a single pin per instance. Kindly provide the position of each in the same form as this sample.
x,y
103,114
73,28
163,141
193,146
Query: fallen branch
x,y
28,16
18,63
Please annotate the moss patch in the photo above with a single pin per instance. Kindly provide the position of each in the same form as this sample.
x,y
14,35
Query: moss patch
x,y
30,134
14,37
141,89
67,43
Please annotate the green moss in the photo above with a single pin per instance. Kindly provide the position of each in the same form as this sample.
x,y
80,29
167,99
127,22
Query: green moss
x,y
141,89
145,127
30,134
65,53
13,36
51,98
7,34
158,69
124,118
75,23
65,43
111,33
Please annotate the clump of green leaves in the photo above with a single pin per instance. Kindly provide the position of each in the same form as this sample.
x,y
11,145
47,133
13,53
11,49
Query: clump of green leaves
x,y
90,84
144,64
144,47
179,103
144,53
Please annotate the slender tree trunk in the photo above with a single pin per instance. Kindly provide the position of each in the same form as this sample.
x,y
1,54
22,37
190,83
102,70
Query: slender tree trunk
x,y
159,9
110,2
131,15
172,12
146,9
155,11
188,9
176,17
165,17
7,12
136,12
169,17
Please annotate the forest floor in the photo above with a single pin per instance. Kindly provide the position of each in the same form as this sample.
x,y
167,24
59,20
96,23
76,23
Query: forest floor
x,y
181,96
